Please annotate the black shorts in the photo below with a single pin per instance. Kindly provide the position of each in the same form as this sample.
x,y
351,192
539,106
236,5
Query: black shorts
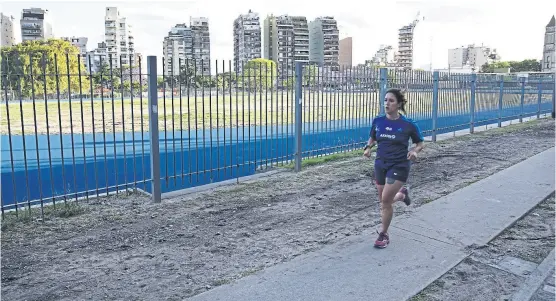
x,y
393,170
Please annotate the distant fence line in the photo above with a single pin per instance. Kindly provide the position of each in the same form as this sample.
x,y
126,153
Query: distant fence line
x,y
172,132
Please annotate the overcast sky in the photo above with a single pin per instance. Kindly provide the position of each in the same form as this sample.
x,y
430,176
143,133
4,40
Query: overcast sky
x,y
515,30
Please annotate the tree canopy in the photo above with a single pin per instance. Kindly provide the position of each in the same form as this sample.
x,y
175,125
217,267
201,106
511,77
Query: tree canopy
x,y
259,73
530,65
35,66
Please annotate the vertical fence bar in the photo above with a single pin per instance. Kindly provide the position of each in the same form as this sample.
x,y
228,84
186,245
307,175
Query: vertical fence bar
x,y
153,129
435,78
383,87
472,105
522,80
125,183
539,98
298,108
14,186
37,132
71,128
500,101
60,128
112,84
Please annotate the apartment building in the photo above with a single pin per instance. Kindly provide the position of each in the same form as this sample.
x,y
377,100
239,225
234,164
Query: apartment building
x,y
548,61
404,57
384,57
201,43
247,39
345,58
300,39
96,58
81,44
324,42
8,30
178,49
118,35
35,25
471,56
286,41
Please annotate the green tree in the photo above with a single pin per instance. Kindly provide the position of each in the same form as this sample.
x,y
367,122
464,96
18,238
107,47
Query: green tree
x,y
310,74
530,65
34,66
160,82
226,79
107,79
259,73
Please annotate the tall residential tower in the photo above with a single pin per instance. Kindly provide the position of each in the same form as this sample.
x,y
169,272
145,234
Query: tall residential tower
x,y
177,49
8,30
35,25
247,39
119,39
325,42
286,40
548,62
201,43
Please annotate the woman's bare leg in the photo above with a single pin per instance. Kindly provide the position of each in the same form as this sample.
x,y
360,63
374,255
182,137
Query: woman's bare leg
x,y
391,189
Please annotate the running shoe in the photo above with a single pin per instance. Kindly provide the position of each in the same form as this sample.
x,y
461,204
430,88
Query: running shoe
x,y
382,241
406,199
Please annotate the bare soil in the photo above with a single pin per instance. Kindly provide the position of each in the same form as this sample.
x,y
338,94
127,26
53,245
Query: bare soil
x,y
126,248
479,277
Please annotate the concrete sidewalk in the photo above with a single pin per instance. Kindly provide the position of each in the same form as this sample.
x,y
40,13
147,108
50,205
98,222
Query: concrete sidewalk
x,y
424,245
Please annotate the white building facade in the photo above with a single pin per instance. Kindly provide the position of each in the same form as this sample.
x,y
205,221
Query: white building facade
x,y
200,32
247,39
324,42
177,49
118,35
35,25
548,61
471,56
8,30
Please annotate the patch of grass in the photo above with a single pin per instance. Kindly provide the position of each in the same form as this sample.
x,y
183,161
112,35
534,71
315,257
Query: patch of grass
x,y
517,126
328,158
26,216
233,110
220,282
427,200
419,297
250,272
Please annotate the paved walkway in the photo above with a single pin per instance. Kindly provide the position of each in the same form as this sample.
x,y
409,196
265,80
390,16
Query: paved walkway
x,y
424,245
539,285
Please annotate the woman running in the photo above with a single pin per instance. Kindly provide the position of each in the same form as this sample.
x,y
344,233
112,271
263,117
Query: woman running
x,y
392,133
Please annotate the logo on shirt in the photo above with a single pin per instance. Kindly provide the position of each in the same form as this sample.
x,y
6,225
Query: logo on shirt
x,y
388,128
387,136
400,130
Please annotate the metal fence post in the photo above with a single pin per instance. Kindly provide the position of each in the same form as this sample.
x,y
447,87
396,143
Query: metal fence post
x,y
522,99
435,78
153,128
383,88
539,99
298,115
500,101
472,106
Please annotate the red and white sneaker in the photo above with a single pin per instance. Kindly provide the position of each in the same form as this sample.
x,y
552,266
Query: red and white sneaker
x,y
382,241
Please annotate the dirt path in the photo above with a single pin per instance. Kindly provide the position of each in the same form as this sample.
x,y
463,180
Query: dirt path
x,y
128,249
530,240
